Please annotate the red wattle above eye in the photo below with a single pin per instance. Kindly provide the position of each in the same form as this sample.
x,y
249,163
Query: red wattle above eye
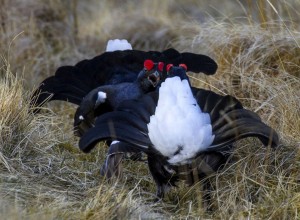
x,y
148,64
160,66
169,67
183,65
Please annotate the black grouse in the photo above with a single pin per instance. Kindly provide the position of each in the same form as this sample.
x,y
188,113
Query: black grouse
x,y
108,97
183,130
72,83
112,71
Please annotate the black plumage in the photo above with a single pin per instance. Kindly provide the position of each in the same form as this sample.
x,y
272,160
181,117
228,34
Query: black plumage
x,y
92,105
72,83
111,72
230,122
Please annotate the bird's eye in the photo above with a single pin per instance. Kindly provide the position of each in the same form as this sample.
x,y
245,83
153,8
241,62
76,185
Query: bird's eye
x,y
148,64
169,66
160,66
183,66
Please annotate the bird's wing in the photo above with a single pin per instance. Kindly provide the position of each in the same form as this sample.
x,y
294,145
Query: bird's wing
x,y
231,122
199,63
195,62
128,123
68,84
72,83
90,107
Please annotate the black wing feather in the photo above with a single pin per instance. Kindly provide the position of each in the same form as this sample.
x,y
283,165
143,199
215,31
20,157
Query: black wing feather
x,y
199,63
114,130
132,116
231,122
72,83
143,108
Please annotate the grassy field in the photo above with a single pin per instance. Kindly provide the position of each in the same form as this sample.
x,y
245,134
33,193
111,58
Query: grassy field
x,y
45,176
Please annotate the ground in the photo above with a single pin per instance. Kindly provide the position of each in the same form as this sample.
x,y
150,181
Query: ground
x,y
43,173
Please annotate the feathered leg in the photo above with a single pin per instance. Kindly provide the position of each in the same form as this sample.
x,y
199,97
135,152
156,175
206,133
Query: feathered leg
x,y
113,163
162,174
210,163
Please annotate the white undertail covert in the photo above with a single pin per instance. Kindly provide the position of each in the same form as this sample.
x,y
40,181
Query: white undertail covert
x,y
179,129
116,44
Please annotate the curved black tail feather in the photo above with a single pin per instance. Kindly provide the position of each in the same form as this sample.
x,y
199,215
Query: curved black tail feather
x,y
230,122
72,83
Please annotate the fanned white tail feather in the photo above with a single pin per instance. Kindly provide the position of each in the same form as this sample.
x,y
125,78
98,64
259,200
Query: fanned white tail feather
x,y
179,129
113,45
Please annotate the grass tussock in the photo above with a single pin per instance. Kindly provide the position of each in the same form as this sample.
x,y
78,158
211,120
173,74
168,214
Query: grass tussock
x,y
45,176
259,68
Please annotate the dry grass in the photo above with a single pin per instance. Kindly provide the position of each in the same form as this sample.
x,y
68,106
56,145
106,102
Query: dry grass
x,y
44,175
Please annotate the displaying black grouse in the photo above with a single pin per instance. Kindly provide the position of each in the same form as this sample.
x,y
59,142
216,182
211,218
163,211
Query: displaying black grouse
x,y
99,84
183,130
106,98
72,83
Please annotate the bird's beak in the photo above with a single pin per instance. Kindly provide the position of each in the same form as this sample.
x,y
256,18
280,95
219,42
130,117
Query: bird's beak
x,y
154,78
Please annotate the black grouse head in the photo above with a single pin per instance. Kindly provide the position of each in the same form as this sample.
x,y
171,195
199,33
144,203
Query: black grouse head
x,y
151,75
179,71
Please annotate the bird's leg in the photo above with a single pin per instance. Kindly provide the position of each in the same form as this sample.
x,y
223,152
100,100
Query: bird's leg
x,y
161,176
113,163
207,164
207,200
160,192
